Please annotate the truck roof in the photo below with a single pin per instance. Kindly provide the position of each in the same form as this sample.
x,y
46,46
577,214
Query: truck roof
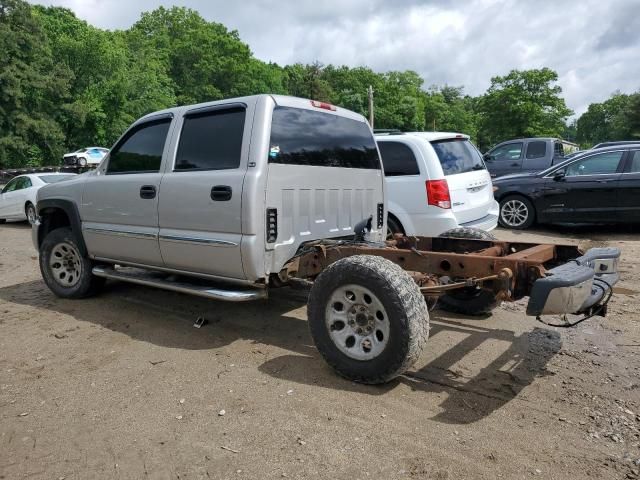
x,y
280,100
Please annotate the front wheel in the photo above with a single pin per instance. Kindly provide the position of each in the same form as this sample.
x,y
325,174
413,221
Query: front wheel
x,y
64,269
368,318
516,212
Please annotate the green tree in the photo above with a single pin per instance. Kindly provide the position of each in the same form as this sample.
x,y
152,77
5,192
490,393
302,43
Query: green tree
x,y
447,109
524,103
617,118
33,87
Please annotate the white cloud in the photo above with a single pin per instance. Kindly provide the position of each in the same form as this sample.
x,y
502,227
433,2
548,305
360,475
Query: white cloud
x,y
593,45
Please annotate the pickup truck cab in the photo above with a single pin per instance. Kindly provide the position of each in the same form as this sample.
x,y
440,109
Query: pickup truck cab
x,y
523,155
225,190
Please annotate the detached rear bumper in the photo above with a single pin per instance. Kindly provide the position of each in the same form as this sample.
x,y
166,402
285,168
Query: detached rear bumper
x,y
578,286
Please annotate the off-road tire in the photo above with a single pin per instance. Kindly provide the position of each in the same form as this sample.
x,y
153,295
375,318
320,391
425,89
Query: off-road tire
x,y
468,232
531,209
468,301
87,285
405,307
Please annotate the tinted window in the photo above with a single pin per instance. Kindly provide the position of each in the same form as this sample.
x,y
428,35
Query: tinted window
x,y
397,159
141,150
457,156
306,137
211,141
635,162
509,151
558,149
54,178
536,149
595,165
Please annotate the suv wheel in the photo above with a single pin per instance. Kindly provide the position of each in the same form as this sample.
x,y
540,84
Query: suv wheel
x,y
393,227
65,271
516,212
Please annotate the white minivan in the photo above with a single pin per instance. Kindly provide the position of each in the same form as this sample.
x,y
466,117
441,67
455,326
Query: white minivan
x,y
436,181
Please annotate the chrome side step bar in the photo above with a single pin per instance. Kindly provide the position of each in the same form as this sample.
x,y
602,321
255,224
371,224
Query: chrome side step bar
x,y
154,279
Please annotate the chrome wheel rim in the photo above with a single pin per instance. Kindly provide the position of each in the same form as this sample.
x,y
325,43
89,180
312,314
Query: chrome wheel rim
x,y
514,213
31,214
357,322
65,264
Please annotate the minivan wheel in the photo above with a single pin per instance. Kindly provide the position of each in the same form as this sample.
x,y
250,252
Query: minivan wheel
x,y
469,301
30,212
516,212
64,269
367,318
393,227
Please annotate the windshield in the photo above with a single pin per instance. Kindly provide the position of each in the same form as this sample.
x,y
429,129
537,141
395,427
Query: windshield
x,y
457,156
54,178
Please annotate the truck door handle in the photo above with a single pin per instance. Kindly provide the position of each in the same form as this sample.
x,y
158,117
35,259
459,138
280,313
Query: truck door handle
x,y
221,193
148,191
515,164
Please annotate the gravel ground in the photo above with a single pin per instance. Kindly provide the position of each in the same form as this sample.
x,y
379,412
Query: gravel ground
x,y
122,386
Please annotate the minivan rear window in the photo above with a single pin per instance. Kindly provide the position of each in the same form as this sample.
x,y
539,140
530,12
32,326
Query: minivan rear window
x,y
457,156
306,137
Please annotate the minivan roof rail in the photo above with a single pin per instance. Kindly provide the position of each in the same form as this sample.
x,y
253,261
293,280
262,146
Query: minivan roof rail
x,y
387,131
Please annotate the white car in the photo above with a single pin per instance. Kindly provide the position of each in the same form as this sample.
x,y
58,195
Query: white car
x,y
90,156
436,182
18,197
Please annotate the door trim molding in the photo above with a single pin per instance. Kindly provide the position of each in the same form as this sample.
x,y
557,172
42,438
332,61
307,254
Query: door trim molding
x,y
121,233
198,240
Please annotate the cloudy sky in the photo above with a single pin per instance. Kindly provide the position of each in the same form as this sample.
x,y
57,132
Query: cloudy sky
x,y
594,45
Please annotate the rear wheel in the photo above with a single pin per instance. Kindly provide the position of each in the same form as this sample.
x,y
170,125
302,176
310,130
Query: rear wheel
x,y
368,318
30,212
393,227
64,269
470,301
516,212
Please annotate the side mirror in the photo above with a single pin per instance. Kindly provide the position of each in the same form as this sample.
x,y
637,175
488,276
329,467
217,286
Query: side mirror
x,y
559,175
487,157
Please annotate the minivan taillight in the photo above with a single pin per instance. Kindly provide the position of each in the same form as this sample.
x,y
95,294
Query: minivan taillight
x,y
438,193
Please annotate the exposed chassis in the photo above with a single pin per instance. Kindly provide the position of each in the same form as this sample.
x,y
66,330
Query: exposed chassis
x,y
559,279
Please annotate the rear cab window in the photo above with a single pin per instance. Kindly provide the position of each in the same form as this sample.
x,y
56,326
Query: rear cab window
x,y
398,159
457,156
318,139
536,149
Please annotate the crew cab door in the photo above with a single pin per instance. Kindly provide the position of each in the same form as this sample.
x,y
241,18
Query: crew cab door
x,y
119,208
505,159
200,209
587,192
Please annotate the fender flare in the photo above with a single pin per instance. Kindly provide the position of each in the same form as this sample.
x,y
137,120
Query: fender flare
x,y
71,210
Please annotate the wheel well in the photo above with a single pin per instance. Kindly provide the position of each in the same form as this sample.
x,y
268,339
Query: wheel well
x,y
395,219
50,219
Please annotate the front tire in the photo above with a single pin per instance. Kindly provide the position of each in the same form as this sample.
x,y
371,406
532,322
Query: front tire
x,y
368,318
64,269
516,212
469,301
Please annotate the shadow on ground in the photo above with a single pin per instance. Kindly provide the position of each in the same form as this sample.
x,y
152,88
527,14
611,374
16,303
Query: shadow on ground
x,y
165,319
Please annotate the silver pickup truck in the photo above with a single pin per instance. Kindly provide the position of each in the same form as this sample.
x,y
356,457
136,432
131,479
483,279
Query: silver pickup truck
x,y
228,199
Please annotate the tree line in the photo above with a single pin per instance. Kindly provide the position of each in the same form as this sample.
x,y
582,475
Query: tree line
x,y
65,84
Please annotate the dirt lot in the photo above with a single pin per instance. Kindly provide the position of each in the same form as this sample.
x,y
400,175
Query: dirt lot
x,y
122,386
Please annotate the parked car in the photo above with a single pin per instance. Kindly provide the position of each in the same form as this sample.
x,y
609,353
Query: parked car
x,y
524,155
18,197
90,156
615,144
436,182
598,186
